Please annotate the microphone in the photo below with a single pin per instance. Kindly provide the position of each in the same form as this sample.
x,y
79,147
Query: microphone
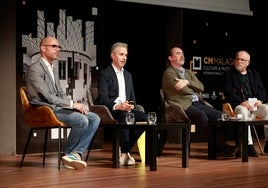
x,y
242,93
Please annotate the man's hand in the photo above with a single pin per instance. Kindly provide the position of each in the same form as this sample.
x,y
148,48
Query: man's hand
x,y
125,106
249,107
80,107
181,83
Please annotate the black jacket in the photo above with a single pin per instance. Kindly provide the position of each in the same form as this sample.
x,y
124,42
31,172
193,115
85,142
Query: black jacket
x,y
233,88
108,89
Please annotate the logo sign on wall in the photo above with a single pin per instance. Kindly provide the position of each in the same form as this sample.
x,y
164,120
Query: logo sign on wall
x,y
210,72
211,65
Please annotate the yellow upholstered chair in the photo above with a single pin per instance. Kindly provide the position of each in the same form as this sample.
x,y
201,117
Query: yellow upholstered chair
x,y
108,119
39,117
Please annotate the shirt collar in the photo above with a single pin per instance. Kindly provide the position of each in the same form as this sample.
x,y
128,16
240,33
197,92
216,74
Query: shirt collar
x,y
181,70
47,63
116,70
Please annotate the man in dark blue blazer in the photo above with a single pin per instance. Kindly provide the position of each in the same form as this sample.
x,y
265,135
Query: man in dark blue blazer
x,y
116,91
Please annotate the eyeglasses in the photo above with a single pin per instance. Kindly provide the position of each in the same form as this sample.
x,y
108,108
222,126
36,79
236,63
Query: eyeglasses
x,y
54,46
241,59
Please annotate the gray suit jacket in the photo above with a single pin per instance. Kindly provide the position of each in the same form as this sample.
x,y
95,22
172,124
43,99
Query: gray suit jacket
x,y
42,90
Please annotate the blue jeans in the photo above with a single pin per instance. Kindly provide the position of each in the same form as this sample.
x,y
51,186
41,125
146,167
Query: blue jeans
x,y
84,127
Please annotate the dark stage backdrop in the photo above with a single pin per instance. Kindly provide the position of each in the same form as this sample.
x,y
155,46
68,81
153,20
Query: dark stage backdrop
x,y
209,41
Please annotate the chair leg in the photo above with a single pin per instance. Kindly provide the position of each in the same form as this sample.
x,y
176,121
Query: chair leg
x,y
88,151
257,138
45,147
162,138
26,147
59,148
89,148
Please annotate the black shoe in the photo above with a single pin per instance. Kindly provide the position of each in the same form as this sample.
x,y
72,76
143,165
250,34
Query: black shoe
x,y
251,151
266,147
231,149
224,154
227,151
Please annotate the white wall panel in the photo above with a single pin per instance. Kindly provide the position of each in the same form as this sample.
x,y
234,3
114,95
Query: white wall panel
x,y
226,6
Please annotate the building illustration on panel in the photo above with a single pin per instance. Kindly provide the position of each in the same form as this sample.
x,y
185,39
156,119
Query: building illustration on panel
x,y
78,54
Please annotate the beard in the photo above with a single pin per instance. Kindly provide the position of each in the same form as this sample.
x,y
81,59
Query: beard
x,y
240,68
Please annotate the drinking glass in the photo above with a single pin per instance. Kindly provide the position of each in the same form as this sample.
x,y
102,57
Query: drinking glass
x,y
225,116
152,117
130,118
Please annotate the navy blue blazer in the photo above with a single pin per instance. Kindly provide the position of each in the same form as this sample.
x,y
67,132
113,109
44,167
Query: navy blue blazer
x,y
232,87
108,89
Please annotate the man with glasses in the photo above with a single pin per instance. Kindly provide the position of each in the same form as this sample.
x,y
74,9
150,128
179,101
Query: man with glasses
x,y
43,88
241,85
53,46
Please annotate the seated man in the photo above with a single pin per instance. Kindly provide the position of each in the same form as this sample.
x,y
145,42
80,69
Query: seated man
x,y
115,90
183,87
43,87
242,83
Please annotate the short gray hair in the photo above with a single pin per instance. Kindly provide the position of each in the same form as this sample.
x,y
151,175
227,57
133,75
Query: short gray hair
x,y
118,44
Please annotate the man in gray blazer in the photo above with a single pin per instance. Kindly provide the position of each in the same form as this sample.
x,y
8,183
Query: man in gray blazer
x,y
43,88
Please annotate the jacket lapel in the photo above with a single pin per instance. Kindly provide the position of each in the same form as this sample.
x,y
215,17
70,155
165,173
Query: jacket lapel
x,y
49,75
114,78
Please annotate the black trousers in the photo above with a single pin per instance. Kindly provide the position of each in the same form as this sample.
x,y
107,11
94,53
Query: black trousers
x,y
128,138
200,114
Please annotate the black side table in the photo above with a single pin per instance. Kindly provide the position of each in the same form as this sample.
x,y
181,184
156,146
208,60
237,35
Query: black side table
x,y
151,141
241,139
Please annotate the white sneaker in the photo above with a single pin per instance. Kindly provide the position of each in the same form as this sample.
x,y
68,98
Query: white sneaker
x,y
73,161
126,159
131,160
69,167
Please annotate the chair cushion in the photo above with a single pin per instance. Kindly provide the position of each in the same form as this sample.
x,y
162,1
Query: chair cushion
x,y
41,116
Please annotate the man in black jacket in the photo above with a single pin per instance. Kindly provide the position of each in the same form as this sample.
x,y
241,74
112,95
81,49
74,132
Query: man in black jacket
x,y
243,85
116,91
